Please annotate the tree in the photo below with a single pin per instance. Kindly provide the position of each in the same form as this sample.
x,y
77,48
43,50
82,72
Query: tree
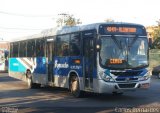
x,y
67,20
156,33
156,36
109,20
60,21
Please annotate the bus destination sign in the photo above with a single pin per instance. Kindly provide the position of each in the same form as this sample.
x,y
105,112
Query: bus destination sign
x,y
121,29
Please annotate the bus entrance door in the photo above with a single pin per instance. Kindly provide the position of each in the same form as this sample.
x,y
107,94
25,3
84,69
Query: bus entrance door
x,y
88,52
50,62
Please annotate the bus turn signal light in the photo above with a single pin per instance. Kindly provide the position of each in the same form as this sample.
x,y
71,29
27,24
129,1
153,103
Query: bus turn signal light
x,y
77,61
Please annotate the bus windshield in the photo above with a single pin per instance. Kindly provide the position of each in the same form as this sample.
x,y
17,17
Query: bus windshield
x,y
121,52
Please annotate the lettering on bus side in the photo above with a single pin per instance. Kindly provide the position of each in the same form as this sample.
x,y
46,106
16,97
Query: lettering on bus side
x,y
58,65
76,67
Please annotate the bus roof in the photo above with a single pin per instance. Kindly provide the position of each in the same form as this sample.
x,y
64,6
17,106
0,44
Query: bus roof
x,y
70,29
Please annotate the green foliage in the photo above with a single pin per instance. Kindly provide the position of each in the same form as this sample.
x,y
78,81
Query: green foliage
x,y
156,33
154,58
156,36
156,44
68,20
71,21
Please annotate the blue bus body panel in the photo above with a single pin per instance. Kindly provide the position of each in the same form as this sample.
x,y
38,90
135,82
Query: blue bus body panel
x,y
63,65
41,66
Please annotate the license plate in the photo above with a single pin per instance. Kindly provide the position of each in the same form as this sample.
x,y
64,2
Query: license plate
x,y
146,85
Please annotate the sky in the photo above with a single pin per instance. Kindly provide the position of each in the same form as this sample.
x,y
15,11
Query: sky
x,y
19,18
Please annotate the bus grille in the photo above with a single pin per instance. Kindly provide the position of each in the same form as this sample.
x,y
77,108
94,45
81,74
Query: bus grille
x,y
132,85
133,73
124,79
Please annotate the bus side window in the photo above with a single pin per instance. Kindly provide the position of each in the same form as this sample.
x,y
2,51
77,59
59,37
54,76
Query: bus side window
x,y
65,49
58,46
22,49
75,44
15,49
31,48
11,50
63,45
40,48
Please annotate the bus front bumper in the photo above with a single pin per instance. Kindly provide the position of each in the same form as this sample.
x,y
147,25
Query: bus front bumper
x,y
110,87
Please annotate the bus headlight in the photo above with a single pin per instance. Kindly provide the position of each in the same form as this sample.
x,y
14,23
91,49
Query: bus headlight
x,y
106,77
145,77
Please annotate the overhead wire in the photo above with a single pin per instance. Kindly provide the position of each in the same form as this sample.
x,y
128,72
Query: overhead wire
x,y
14,28
23,15
20,29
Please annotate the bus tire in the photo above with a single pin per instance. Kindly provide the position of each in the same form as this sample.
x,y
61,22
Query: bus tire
x,y
75,87
30,83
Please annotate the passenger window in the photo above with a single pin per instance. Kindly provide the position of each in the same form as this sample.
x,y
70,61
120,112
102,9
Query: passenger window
x,y
15,49
31,48
63,45
11,50
75,44
22,49
40,48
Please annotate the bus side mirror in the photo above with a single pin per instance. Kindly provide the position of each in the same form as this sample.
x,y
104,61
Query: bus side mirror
x,y
98,45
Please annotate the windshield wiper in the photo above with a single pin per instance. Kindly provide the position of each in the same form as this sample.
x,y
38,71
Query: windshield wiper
x,y
116,42
133,41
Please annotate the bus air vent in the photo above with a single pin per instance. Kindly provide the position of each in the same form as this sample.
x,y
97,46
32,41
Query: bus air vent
x,y
131,85
132,73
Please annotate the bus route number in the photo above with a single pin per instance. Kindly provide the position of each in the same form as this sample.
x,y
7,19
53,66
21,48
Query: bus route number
x,y
121,29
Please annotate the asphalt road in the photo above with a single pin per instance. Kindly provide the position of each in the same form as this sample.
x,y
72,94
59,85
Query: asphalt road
x,y
15,97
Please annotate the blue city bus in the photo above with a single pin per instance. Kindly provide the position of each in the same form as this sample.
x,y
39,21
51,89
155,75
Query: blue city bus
x,y
98,58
